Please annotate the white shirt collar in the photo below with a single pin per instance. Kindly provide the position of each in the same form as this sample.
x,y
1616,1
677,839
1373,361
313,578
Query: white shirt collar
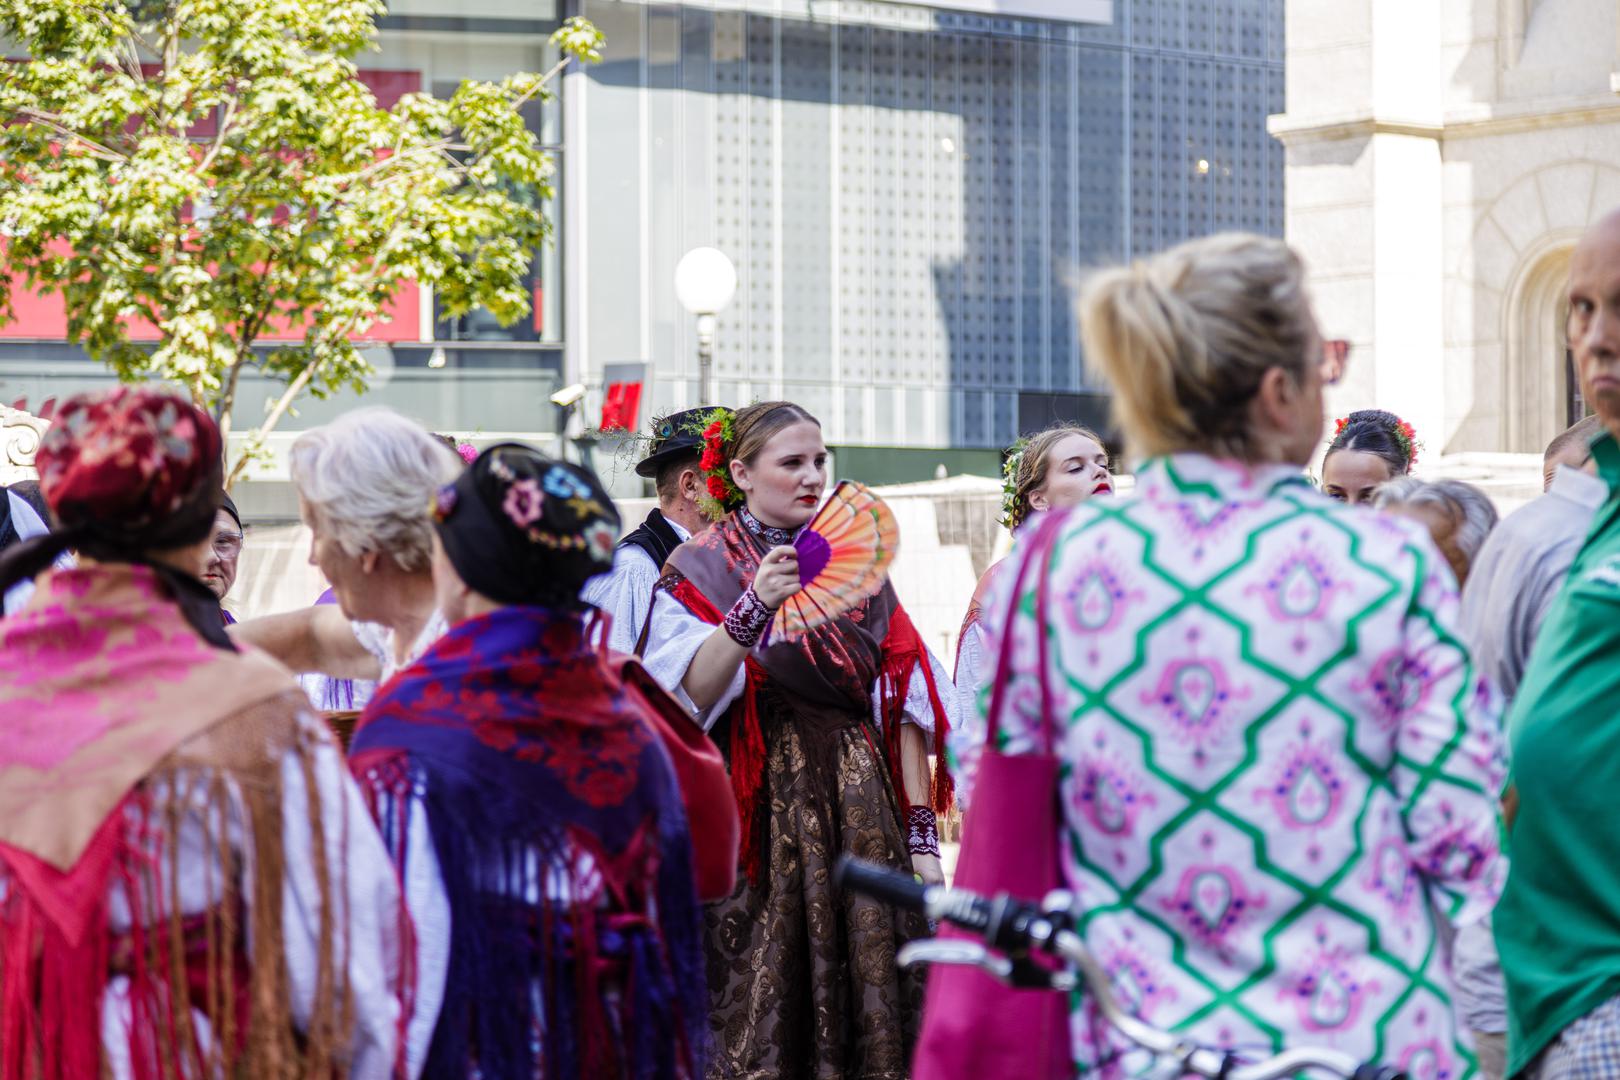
x,y
24,519
673,524
1579,487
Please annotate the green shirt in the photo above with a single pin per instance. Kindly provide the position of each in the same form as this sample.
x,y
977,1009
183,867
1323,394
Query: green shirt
x,y
1558,924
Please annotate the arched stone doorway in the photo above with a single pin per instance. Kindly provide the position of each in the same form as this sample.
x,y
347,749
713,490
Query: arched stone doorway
x,y
1542,395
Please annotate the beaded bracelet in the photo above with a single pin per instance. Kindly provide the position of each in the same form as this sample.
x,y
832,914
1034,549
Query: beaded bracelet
x,y
922,831
748,618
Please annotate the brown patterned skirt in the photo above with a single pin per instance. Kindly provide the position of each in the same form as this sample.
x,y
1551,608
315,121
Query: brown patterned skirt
x,y
802,977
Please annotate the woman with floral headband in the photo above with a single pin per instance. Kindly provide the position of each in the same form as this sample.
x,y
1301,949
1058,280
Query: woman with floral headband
x,y
1054,469
827,739
1370,447
530,807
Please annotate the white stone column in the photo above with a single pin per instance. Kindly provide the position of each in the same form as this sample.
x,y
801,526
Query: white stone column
x,y
20,435
1364,195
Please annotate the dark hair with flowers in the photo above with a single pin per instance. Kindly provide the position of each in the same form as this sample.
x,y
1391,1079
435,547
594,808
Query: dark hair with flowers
x,y
739,436
523,528
1380,433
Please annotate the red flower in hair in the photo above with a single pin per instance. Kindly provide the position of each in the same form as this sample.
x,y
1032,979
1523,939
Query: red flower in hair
x,y
1409,436
710,459
713,430
1339,425
717,488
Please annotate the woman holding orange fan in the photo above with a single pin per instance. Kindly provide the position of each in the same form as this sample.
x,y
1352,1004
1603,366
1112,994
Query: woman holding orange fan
x,y
779,629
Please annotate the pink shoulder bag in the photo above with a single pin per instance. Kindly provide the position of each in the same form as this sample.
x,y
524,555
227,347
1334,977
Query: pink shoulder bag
x,y
973,1026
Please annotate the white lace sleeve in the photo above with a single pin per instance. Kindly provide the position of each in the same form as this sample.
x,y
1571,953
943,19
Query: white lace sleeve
x,y
973,668
355,855
430,920
376,639
919,710
673,641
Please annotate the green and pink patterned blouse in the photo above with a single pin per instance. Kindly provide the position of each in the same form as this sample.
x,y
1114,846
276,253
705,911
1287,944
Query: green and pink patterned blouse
x,y
1279,763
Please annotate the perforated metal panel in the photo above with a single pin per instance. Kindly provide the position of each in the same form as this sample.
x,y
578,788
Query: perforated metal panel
x,y
905,191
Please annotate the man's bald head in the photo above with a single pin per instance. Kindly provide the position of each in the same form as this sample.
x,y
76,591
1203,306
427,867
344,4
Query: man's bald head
x,y
1594,317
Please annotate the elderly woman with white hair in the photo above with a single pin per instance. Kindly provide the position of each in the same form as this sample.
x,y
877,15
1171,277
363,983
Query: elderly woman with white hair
x,y
1458,516
365,486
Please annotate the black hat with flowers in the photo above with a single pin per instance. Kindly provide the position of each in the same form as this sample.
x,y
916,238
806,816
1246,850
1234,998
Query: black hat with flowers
x,y
524,528
677,435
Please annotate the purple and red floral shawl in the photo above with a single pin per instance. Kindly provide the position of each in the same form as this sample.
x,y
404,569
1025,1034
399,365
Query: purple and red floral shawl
x,y
528,754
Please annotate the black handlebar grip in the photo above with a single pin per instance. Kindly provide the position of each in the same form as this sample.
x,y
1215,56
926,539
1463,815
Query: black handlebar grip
x,y
901,890
1378,1072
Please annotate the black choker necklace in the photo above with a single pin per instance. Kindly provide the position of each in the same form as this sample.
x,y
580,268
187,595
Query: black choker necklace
x,y
772,536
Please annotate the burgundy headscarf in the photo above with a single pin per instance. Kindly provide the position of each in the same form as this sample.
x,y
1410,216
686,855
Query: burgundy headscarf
x,y
124,472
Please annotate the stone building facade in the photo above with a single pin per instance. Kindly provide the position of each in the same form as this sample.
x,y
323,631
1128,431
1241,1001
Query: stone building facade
x,y
1443,156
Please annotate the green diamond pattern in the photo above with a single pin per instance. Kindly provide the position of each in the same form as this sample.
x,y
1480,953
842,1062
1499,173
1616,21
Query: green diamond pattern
x,y
1275,758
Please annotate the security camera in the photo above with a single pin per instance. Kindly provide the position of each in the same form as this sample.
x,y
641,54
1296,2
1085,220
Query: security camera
x,y
568,395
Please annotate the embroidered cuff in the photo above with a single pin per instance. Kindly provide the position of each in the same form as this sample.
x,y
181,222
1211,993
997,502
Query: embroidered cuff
x,y
922,831
748,619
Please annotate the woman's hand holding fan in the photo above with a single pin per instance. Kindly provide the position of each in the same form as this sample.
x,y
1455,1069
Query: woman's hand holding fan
x,y
777,579
843,555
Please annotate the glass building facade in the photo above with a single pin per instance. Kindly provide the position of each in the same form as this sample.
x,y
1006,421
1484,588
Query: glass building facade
x,y
908,193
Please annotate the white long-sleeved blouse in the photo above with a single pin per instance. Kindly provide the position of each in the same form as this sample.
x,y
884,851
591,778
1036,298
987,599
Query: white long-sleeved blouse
x,y
676,635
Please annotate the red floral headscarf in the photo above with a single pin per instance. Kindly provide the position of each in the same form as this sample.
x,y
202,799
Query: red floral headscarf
x,y
132,455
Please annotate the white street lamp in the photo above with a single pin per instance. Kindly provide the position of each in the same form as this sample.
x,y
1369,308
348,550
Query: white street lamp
x,y
705,282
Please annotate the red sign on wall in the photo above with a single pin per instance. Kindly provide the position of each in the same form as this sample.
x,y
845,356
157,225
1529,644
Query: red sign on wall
x,y
621,406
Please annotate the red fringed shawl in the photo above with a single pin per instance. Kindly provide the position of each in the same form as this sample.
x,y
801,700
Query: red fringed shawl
x,y
874,644
106,690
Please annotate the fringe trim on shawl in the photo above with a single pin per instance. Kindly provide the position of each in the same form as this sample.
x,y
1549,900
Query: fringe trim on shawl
x,y
903,654
747,756
609,1004
58,953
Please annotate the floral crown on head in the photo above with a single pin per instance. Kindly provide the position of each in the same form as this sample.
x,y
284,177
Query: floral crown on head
x,y
1404,434
1010,517
721,493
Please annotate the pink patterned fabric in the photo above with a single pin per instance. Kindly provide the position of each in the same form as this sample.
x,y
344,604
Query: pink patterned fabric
x,y
101,677
133,454
1281,764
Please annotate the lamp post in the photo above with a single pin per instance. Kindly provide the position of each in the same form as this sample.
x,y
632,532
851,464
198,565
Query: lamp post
x,y
705,282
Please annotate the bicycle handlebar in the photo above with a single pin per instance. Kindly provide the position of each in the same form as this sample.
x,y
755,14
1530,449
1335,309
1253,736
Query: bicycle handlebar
x,y
1015,927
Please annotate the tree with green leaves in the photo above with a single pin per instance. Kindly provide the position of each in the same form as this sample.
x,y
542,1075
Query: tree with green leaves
x,y
217,169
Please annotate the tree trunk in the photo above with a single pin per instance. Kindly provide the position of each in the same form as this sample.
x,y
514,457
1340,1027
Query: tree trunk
x,y
283,403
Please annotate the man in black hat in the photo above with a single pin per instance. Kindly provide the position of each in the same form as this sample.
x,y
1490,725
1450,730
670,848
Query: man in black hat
x,y
626,593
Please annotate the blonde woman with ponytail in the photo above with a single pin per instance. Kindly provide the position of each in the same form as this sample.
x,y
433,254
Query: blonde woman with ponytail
x,y
1276,768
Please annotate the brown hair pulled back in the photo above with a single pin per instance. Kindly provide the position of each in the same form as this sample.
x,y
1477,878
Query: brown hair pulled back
x,y
754,425
1036,462
1186,336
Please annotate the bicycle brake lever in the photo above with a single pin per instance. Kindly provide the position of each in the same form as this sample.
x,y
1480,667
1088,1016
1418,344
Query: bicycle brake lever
x,y
962,953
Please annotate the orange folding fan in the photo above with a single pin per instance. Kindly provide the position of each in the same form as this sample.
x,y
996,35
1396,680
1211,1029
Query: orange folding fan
x,y
844,557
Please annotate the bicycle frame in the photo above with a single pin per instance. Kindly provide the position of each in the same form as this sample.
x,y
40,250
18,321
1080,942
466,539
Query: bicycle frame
x,y
1012,928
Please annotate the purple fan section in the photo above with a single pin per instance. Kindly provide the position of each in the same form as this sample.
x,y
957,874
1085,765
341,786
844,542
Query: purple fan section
x,y
814,555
